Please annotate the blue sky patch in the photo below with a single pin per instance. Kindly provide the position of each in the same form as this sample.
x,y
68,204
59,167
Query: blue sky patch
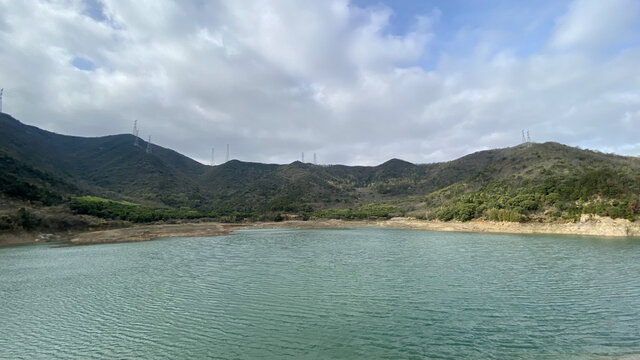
x,y
95,10
83,64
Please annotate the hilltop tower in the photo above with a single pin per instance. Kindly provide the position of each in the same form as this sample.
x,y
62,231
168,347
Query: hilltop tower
x,y
1,93
149,145
135,133
213,159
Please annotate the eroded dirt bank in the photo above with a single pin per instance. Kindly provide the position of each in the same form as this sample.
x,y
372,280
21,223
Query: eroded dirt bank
x,y
594,226
588,225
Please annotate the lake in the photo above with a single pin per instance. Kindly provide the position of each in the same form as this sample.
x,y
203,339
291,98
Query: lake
x,y
325,294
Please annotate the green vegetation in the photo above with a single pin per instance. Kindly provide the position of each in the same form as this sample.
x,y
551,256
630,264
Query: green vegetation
x,y
14,188
122,210
369,211
603,192
22,220
21,181
533,182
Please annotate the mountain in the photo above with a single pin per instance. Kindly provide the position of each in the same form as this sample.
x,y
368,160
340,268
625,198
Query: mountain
x,y
109,166
526,182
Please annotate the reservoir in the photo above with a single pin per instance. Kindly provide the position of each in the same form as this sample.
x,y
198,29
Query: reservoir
x,y
325,294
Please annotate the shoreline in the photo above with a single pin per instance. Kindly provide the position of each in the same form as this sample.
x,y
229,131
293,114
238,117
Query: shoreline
x,y
587,226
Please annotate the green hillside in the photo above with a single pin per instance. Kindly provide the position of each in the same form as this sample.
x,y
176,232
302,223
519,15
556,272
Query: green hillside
x,y
110,166
542,182
528,182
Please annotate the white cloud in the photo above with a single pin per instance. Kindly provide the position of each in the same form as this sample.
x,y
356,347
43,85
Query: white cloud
x,y
275,78
596,23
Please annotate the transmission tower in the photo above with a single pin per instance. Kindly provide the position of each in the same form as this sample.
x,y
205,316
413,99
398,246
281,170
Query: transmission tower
x,y
528,137
149,145
135,132
1,92
303,157
213,159
227,158
524,139
314,159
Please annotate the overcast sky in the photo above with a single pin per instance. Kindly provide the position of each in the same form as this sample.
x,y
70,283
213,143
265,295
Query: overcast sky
x,y
357,82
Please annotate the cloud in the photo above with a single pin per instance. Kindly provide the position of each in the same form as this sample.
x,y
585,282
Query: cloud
x,y
595,23
274,79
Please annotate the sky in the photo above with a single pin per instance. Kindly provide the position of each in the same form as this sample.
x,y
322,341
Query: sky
x,y
355,82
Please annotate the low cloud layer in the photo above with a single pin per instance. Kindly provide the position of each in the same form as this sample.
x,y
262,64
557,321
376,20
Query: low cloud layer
x,y
277,78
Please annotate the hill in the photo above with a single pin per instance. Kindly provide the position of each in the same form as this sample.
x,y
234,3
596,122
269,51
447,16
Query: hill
x,y
109,166
542,181
528,182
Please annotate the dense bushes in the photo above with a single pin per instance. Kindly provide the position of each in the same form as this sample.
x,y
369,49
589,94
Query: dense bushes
x,y
109,209
503,215
22,220
14,188
370,211
459,211
41,219
601,192
615,209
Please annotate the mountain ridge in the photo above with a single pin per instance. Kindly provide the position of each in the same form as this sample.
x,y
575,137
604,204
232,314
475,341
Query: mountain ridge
x,y
111,167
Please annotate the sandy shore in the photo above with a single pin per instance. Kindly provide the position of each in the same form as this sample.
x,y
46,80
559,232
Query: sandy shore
x,y
149,232
594,226
588,225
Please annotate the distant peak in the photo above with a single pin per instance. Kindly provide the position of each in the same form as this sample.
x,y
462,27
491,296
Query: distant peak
x,y
300,163
396,161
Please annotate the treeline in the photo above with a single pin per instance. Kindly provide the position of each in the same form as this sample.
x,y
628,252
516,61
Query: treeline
x,y
370,211
22,220
14,188
601,192
122,210
23,182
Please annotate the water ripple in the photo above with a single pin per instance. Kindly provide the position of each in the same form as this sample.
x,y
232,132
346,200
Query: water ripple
x,y
364,293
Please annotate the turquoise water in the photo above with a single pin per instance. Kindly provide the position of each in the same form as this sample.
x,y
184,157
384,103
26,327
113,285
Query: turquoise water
x,y
324,294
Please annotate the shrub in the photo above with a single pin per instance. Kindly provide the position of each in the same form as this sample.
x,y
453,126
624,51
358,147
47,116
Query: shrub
x,y
503,215
109,209
445,214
